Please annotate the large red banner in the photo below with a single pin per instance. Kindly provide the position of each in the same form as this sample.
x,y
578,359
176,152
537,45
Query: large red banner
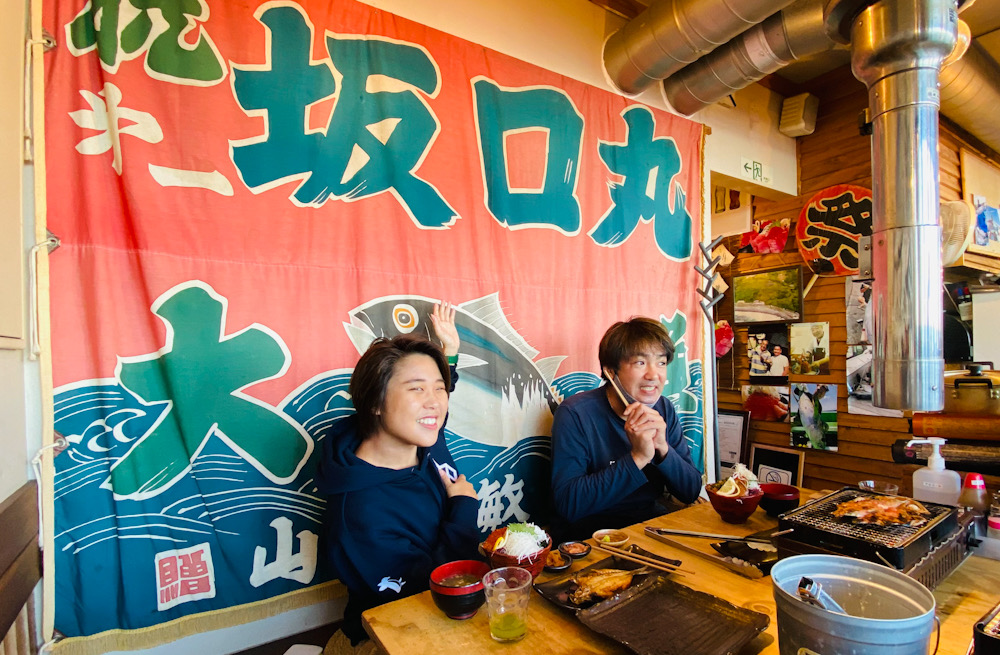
x,y
247,194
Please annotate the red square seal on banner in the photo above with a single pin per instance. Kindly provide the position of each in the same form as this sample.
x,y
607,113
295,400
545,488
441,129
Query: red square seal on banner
x,y
184,575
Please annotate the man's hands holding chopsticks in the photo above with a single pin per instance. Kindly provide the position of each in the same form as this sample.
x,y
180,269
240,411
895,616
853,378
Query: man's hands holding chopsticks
x,y
647,433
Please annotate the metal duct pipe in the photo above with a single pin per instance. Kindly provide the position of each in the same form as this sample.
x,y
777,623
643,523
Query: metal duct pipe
x,y
796,32
672,33
970,95
897,47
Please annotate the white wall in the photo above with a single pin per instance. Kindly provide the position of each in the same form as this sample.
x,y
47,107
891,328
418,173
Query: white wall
x,y
13,366
13,463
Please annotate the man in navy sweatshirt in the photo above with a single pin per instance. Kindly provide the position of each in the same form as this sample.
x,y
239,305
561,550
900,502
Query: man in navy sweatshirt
x,y
612,461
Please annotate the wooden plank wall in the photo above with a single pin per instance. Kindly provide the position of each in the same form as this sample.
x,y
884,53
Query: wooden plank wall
x,y
835,153
20,561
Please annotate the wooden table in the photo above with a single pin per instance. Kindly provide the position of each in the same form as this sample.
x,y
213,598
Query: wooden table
x,y
414,626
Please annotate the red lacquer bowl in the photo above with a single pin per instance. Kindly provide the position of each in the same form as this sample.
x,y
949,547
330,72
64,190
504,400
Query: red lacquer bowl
x,y
734,509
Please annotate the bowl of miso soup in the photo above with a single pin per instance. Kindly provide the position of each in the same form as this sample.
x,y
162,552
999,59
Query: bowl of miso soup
x,y
457,587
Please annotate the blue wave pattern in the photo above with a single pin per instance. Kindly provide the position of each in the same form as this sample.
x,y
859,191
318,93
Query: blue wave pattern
x,y
105,548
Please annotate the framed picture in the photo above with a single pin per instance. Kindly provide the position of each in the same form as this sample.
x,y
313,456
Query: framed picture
x,y
767,353
981,185
810,351
859,384
734,430
814,416
771,296
766,403
774,464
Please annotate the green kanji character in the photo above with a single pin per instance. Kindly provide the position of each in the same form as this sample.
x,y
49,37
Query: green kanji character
x,y
197,378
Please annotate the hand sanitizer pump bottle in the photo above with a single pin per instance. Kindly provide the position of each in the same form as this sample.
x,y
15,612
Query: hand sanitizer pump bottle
x,y
933,483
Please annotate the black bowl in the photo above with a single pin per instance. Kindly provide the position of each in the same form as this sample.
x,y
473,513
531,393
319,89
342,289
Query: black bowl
x,y
463,601
570,548
567,562
779,498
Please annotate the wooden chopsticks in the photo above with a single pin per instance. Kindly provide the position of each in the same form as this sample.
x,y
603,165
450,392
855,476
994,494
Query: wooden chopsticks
x,y
613,381
641,559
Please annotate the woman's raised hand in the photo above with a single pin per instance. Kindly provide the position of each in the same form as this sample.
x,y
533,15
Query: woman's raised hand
x,y
443,319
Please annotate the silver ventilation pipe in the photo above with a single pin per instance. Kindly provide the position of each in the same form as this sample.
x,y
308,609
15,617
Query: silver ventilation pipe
x,y
970,95
672,33
897,47
796,32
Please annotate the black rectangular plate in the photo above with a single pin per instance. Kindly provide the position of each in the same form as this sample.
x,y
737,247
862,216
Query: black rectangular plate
x,y
661,617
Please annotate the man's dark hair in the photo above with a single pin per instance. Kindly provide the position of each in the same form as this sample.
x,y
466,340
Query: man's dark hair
x,y
371,376
626,339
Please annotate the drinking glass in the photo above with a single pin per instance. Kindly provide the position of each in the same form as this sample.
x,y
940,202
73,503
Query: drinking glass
x,y
879,487
507,592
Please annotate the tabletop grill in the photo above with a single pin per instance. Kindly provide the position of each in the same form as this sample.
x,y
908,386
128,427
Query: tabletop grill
x,y
900,546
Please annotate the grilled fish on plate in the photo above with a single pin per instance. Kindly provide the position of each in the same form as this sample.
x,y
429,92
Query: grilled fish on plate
x,y
883,510
601,583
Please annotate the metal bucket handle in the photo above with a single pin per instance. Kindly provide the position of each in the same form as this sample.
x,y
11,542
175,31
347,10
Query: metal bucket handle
x,y
937,641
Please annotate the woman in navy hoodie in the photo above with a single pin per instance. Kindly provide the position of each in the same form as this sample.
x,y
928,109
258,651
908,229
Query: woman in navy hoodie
x,y
396,507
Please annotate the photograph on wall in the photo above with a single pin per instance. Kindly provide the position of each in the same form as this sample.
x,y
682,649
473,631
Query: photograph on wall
x,y
775,464
734,431
814,416
767,353
769,296
987,232
981,185
810,351
859,384
765,402
857,298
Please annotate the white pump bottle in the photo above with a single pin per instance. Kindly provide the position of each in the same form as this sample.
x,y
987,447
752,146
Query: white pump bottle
x,y
933,483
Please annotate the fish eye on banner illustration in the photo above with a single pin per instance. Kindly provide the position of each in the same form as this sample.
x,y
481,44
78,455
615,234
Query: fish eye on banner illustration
x,y
244,213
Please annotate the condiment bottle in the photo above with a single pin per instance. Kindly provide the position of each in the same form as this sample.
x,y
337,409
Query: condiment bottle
x,y
974,494
933,483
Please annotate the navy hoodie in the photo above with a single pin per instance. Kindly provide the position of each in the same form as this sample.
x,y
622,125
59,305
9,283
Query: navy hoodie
x,y
386,530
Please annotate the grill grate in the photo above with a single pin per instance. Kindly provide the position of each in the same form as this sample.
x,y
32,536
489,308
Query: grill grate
x,y
814,527
819,515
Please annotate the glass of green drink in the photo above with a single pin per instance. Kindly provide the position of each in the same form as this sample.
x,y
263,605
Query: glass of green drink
x,y
507,592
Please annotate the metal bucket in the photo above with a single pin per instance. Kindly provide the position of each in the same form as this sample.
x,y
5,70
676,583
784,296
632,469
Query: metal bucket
x,y
888,613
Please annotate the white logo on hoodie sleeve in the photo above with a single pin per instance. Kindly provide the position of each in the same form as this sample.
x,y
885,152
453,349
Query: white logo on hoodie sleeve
x,y
396,584
447,469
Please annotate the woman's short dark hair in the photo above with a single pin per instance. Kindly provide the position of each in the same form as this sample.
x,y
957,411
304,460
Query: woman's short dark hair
x,y
371,376
626,339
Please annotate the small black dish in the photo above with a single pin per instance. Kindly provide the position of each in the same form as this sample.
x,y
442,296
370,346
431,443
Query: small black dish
x,y
567,562
572,549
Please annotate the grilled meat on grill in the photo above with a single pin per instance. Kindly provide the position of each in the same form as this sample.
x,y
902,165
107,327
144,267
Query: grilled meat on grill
x,y
883,510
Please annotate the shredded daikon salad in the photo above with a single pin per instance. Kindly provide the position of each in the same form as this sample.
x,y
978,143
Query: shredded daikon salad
x,y
522,540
